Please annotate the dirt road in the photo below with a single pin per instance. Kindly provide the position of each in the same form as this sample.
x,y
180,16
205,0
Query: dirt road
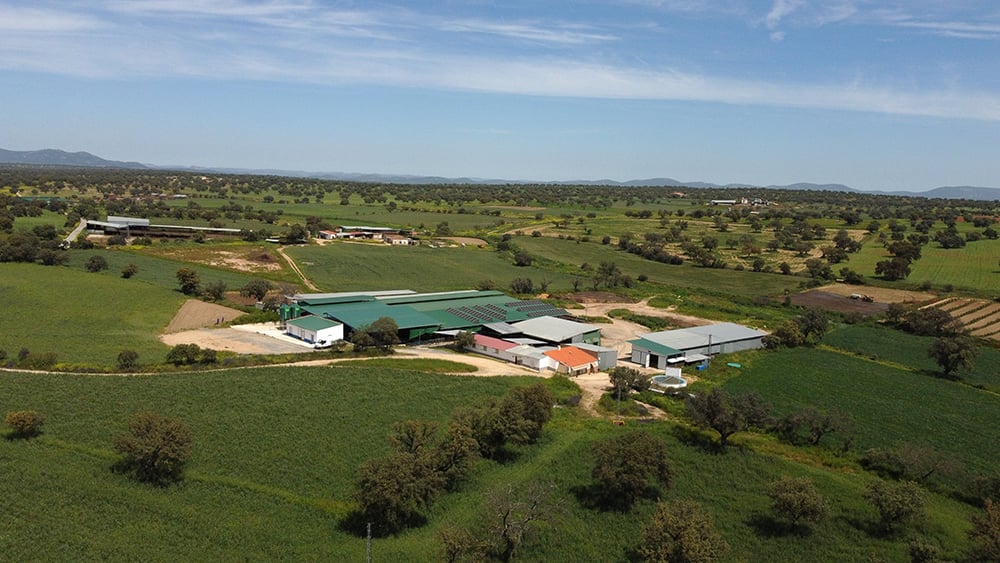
x,y
295,268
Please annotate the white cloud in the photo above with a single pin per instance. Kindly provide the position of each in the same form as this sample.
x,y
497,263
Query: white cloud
x,y
21,19
779,10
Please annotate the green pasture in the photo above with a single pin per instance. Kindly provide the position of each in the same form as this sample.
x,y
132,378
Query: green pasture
x,y
57,220
571,255
889,405
277,449
155,269
974,267
82,317
886,345
360,266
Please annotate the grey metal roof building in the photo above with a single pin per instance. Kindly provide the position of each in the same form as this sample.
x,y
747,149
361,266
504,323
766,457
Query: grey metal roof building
x,y
556,330
655,348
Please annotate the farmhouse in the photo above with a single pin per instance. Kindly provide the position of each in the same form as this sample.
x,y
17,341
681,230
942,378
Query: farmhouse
x,y
316,330
660,349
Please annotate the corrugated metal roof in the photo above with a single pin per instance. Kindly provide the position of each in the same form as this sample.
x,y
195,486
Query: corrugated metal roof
x,y
502,328
699,336
654,347
592,347
312,322
491,342
553,329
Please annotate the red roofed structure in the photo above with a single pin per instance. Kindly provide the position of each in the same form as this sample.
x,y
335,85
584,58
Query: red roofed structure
x,y
572,360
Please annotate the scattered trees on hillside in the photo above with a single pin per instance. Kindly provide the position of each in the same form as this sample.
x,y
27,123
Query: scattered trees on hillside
x,y
727,414
810,425
953,352
626,465
681,530
393,492
897,503
796,500
189,281
156,448
985,533
511,515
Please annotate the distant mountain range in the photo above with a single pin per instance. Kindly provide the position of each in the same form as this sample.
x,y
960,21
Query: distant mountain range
x,y
54,157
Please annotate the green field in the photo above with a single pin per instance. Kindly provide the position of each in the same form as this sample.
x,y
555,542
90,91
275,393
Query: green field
x,y
572,255
973,267
888,405
276,450
82,317
356,266
911,351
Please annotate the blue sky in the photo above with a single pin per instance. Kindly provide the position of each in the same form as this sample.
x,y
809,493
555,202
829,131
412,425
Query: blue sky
x,y
875,94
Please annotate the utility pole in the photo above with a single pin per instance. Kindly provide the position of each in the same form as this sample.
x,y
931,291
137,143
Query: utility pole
x,y
368,545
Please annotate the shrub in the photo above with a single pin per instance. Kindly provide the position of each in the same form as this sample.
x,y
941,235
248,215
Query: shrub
x,y
25,424
128,359
681,531
897,503
797,500
625,465
96,264
155,448
130,270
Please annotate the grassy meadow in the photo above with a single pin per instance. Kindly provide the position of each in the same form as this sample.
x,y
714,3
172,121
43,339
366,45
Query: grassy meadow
x,y
359,266
82,317
276,451
888,405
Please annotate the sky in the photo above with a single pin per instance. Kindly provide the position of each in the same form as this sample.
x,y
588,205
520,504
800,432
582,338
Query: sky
x,y
874,94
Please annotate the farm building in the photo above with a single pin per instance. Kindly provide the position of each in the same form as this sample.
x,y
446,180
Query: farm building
x,y
660,349
573,361
317,330
607,358
420,316
554,330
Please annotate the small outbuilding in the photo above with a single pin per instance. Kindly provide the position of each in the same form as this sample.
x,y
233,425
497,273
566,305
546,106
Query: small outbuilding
x,y
607,358
315,330
573,361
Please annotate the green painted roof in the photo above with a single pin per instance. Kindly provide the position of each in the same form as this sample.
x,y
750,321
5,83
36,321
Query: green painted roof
x,y
654,347
357,315
312,322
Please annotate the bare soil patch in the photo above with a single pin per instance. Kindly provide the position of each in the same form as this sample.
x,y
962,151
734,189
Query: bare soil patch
x,y
584,297
880,294
468,241
829,301
197,314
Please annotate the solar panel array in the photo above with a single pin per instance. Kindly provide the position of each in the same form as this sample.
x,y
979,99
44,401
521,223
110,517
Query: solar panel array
x,y
479,314
535,308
